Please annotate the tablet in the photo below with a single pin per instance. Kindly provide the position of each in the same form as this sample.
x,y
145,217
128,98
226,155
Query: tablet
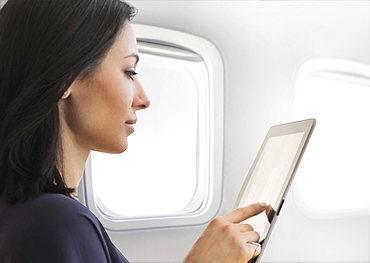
x,y
272,173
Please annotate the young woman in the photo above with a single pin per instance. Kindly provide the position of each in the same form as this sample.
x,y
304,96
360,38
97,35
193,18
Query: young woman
x,y
68,86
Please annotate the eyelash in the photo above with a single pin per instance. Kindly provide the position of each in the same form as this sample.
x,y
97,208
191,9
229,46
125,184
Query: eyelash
x,y
130,73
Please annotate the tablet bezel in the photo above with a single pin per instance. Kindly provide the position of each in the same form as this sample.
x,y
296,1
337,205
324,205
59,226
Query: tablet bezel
x,y
305,126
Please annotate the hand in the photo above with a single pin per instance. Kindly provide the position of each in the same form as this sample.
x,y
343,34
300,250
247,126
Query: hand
x,y
226,240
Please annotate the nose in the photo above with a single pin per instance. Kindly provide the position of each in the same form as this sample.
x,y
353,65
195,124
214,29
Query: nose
x,y
141,100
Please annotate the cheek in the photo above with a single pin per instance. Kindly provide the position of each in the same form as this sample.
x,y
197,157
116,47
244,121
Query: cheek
x,y
114,92
120,102
81,117
112,105
96,114
115,109
108,131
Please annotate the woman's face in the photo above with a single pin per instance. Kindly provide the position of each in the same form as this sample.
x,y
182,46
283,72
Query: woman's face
x,y
99,111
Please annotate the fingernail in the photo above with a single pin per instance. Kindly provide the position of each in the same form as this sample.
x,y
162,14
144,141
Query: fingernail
x,y
263,204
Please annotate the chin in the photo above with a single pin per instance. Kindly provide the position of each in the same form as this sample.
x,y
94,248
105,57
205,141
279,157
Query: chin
x,y
121,149
115,149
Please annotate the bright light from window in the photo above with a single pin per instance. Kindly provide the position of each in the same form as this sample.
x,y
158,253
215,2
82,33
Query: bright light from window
x,y
334,176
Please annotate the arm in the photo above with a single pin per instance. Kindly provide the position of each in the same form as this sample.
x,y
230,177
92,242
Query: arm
x,y
226,240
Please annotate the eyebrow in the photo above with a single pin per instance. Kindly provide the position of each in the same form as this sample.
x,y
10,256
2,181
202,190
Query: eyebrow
x,y
133,55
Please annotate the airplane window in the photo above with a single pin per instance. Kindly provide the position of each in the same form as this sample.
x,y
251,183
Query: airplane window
x,y
167,175
162,158
334,176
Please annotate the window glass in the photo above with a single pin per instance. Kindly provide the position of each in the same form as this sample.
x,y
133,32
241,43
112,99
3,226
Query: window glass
x,y
160,172
334,176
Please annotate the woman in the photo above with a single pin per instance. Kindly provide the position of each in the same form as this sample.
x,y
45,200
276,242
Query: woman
x,y
68,86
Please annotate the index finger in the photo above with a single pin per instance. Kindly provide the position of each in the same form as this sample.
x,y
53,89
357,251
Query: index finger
x,y
240,214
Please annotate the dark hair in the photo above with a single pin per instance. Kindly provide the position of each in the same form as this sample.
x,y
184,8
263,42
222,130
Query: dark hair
x,y
44,46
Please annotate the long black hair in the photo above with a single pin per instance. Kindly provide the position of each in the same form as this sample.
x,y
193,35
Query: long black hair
x,y
44,46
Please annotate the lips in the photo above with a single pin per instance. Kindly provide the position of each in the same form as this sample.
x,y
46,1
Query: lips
x,y
130,125
131,121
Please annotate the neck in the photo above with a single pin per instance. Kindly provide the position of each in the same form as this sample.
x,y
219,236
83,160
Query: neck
x,y
74,165
74,159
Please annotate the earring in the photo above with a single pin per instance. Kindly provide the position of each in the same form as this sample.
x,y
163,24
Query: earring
x,y
65,95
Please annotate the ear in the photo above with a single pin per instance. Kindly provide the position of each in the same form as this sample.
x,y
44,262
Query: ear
x,y
68,92
65,95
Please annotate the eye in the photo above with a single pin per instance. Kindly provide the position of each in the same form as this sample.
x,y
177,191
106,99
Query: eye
x,y
130,73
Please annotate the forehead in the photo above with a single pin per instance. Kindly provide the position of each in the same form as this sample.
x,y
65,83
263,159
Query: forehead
x,y
125,43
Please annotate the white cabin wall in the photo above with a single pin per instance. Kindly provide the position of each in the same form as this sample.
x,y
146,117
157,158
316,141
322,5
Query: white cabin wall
x,y
263,43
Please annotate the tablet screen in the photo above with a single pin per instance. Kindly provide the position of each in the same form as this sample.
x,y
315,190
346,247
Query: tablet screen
x,y
270,176
272,173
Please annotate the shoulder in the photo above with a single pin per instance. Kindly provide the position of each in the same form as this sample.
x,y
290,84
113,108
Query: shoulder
x,y
53,228
56,205
60,214
69,231
43,207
